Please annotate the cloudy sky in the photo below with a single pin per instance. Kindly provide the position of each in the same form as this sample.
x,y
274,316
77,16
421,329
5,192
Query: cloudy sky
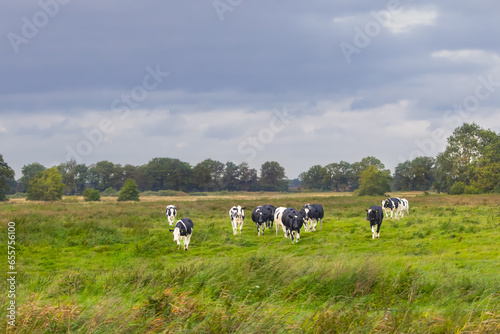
x,y
298,82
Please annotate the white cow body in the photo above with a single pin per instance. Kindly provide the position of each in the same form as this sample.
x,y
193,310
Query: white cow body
x,y
278,215
182,232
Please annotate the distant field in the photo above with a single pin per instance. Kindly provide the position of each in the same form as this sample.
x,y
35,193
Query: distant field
x,y
112,267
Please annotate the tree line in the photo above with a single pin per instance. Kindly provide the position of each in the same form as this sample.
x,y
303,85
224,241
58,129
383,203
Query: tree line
x,y
469,164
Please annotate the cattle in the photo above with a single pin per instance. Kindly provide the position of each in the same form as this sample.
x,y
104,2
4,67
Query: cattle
x,y
312,213
292,221
171,213
405,206
237,216
278,215
260,216
182,232
375,216
392,205
271,209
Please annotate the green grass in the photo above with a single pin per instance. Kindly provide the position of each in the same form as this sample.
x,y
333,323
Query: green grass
x,y
113,267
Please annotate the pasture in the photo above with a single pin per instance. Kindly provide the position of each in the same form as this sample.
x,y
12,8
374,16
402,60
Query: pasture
x,y
109,267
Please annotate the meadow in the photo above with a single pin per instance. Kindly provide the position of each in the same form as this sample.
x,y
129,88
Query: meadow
x,y
112,267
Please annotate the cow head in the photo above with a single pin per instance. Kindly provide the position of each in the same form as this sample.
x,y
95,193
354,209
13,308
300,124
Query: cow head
x,y
371,215
239,211
177,235
387,204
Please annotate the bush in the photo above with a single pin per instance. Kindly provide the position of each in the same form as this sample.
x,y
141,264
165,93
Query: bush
x,y
129,191
90,195
457,189
471,190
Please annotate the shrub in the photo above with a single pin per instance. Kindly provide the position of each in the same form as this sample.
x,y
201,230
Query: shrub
x,y
472,190
457,189
129,191
109,192
91,195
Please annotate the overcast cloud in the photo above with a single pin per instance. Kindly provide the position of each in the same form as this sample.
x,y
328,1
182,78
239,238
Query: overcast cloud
x,y
298,82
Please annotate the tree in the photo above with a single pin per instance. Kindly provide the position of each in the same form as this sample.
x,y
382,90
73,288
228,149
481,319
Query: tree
x,y
417,174
168,174
231,180
248,179
470,152
129,191
6,174
315,178
28,172
208,175
374,182
46,186
73,176
272,177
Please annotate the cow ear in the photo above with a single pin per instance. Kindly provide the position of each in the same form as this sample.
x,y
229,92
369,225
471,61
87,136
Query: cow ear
x,y
366,210
376,211
171,230
244,208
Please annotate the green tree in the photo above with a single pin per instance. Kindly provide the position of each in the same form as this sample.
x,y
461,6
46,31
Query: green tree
x,y
6,174
231,177
167,174
208,175
129,191
470,152
248,180
374,182
46,186
315,178
417,174
272,177
28,172
74,176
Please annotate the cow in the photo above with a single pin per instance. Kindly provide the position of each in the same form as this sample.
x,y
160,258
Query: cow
x,y
392,205
375,216
312,213
292,221
405,206
278,215
260,216
271,209
182,232
237,216
171,213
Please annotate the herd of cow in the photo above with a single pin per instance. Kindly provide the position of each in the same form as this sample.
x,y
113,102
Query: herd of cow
x,y
290,220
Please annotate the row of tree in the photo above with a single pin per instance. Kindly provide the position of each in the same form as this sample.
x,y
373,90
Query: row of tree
x,y
470,164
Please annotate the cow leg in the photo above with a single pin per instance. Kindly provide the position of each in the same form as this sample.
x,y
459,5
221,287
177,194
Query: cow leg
x,y
314,223
373,231
320,224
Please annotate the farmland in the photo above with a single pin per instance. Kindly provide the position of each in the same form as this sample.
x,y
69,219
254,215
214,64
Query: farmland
x,y
109,267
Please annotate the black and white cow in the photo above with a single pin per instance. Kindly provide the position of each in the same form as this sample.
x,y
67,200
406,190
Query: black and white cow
x,y
271,209
405,206
392,205
375,216
278,216
182,232
237,215
292,221
312,213
171,213
260,216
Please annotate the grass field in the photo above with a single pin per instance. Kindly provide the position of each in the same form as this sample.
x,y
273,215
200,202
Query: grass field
x,y
112,267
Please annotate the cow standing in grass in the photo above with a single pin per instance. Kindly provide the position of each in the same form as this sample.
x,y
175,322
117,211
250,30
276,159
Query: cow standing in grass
x,y
375,216
312,213
237,215
171,212
293,222
392,205
260,216
182,232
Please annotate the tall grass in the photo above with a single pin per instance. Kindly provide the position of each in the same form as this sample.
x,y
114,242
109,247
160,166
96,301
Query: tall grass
x,y
113,268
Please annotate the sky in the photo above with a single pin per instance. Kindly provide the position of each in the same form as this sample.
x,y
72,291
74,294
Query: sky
x,y
302,83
